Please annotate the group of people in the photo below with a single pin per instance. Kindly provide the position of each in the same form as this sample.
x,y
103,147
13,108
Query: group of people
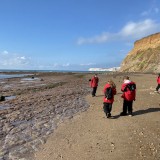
x,y
128,89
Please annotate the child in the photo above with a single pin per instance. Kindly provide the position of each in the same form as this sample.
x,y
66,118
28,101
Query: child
x,y
129,93
158,81
94,84
109,91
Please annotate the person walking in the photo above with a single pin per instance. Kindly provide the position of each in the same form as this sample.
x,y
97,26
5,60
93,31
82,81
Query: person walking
x,y
129,94
94,84
158,81
109,92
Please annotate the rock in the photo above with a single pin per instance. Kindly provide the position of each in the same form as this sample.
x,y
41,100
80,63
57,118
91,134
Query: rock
x,y
144,57
35,113
2,98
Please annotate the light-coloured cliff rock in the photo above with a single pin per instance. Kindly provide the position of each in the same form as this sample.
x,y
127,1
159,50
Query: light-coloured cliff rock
x,y
144,57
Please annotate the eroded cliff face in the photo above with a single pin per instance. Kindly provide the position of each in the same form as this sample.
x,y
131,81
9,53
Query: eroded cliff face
x,y
144,57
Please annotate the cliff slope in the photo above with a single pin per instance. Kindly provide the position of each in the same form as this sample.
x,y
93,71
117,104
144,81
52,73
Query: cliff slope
x,y
144,57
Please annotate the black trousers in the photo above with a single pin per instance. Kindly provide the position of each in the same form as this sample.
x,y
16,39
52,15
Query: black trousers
x,y
94,91
107,107
127,107
158,87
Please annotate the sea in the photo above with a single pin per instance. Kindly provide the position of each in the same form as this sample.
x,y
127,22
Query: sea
x,y
21,73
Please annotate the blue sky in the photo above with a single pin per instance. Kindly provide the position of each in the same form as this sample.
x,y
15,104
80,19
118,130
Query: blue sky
x,y
72,34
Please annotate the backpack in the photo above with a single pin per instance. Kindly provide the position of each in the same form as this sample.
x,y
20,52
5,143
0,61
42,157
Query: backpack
x,y
131,86
108,93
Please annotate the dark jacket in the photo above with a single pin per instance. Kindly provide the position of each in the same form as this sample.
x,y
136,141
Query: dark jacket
x,y
113,92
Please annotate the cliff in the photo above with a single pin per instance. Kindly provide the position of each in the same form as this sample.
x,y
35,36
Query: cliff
x,y
144,57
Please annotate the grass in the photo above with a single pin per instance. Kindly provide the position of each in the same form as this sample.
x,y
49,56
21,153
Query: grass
x,y
144,60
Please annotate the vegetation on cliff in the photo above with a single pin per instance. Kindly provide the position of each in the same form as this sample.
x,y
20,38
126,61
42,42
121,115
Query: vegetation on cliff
x,y
145,57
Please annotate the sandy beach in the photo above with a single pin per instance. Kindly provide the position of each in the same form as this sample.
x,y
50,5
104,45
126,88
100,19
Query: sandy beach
x,y
53,116
90,135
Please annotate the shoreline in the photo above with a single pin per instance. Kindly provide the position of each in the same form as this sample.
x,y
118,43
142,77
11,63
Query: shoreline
x,y
37,110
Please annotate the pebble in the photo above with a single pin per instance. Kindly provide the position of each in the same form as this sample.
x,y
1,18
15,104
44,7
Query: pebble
x,y
30,119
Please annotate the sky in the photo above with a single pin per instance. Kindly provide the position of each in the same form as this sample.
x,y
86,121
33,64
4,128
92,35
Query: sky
x,y
72,34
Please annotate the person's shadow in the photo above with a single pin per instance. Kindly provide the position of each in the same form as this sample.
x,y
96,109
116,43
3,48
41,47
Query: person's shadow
x,y
139,112
144,111
115,117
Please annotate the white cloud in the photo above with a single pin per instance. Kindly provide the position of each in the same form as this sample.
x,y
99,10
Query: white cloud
x,y
66,65
131,31
139,29
4,53
151,11
96,39
12,60
22,58
54,65
57,65
87,64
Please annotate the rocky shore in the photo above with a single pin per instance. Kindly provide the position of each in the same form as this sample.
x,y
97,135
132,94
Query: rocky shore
x,y
33,108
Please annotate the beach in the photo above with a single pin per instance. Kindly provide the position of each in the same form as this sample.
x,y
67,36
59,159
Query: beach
x,y
90,135
34,107
53,116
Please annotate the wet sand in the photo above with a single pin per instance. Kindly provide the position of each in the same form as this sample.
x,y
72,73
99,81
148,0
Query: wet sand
x,y
33,109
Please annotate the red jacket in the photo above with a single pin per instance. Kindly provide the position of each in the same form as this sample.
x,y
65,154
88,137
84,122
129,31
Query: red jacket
x,y
94,82
158,79
127,94
113,91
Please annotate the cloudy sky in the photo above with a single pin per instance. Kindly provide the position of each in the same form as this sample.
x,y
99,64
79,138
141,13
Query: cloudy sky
x,y
72,34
